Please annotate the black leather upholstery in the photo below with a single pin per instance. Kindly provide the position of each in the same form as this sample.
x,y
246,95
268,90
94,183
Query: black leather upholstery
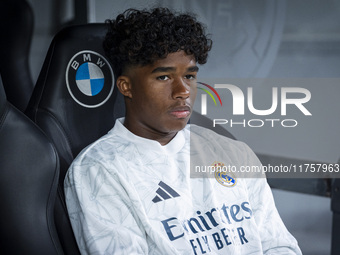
x,y
16,27
29,171
69,117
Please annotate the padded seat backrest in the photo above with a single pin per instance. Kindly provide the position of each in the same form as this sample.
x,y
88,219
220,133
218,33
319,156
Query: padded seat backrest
x,y
29,169
16,29
75,102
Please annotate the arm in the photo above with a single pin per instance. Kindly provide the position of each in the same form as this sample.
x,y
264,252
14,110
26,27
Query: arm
x,y
100,211
275,237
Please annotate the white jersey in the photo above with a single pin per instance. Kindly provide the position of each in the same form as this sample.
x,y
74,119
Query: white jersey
x,y
129,195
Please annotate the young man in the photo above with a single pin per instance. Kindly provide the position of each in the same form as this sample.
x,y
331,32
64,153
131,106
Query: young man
x,y
130,192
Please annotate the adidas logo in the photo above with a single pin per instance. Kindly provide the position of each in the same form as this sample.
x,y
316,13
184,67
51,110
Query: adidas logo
x,y
164,192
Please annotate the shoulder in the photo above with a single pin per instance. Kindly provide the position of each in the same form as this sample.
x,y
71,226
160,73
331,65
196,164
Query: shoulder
x,y
103,148
100,155
209,136
207,142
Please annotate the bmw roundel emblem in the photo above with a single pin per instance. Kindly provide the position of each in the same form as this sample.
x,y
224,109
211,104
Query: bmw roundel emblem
x,y
89,79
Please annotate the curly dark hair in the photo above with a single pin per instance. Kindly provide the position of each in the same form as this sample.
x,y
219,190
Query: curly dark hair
x,y
139,37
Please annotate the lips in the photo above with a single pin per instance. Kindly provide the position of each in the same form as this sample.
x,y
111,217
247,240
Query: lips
x,y
181,112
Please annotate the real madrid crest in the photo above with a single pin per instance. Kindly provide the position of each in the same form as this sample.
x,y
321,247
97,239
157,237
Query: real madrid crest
x,y
89,79
223,175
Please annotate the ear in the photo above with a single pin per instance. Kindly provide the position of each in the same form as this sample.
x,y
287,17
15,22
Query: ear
x,y
124,86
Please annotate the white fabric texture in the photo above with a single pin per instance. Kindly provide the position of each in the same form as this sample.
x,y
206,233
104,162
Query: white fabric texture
x,y
129,195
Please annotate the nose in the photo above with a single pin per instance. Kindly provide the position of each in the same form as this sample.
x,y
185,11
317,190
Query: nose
x,y
180,89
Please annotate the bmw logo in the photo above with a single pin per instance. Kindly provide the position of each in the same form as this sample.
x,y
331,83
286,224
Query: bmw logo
x,y
89,79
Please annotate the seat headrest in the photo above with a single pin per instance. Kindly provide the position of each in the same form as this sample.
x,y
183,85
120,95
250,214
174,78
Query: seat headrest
x,y
74,98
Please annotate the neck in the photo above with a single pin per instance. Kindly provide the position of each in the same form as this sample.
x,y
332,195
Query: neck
x,y
149,133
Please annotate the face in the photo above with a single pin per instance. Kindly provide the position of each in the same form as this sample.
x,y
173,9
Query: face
x,y
160,97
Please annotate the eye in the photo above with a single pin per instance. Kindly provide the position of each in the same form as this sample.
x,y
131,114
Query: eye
x,y
163,78
190,76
